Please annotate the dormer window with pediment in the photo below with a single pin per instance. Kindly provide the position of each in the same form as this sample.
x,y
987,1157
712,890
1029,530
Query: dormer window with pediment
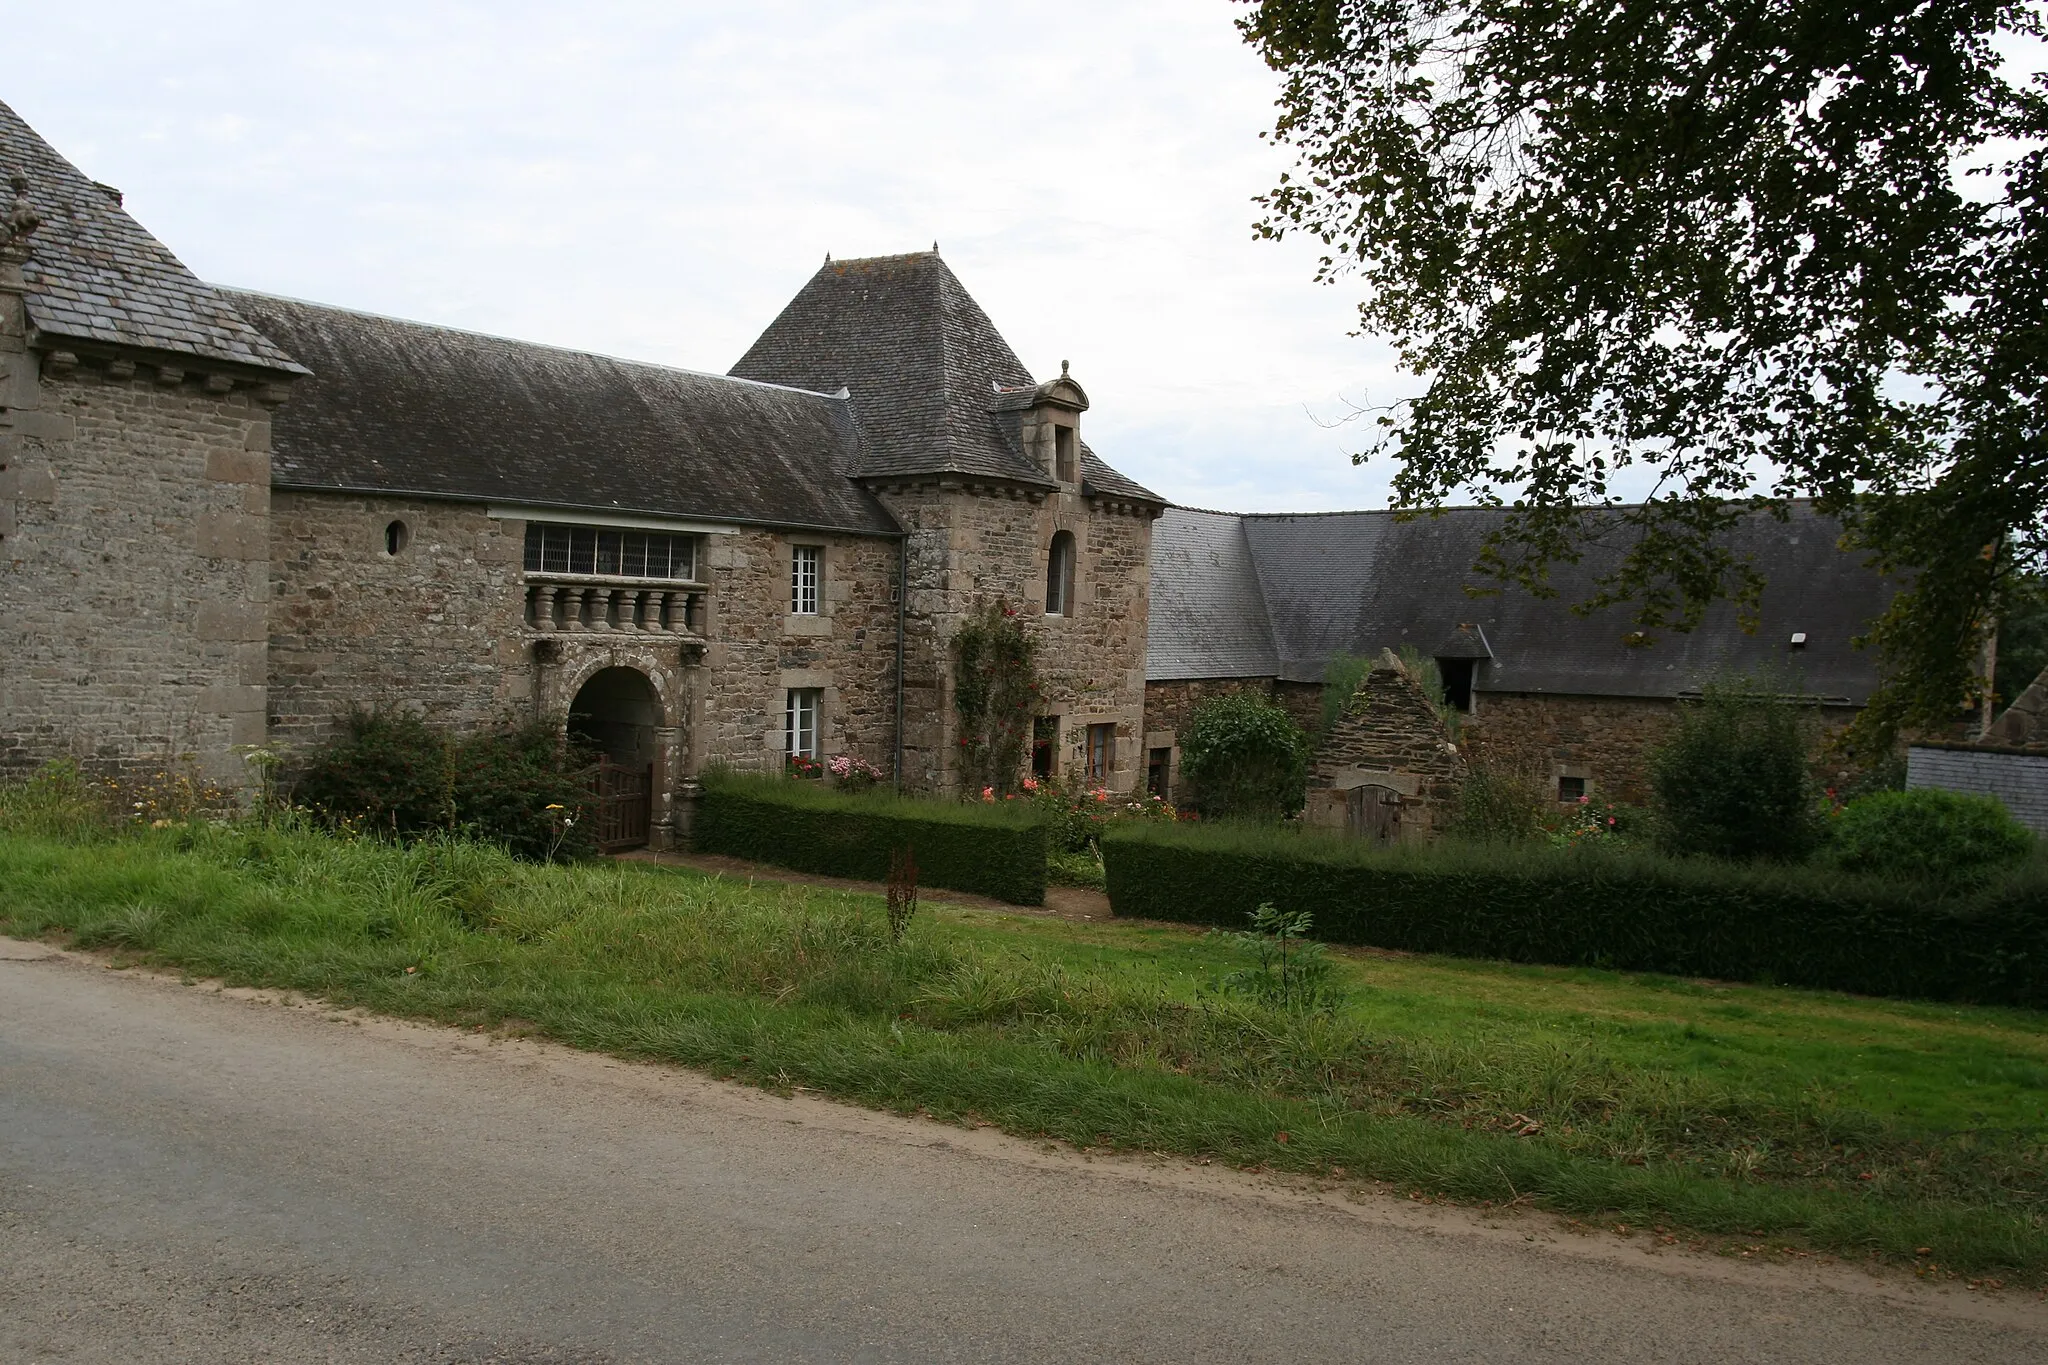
x,y
1052,426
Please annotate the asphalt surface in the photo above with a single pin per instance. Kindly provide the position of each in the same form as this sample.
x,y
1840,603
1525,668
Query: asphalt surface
x,y
188,1174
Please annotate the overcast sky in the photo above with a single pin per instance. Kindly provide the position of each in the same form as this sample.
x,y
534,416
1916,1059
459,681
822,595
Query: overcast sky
x,y
655,180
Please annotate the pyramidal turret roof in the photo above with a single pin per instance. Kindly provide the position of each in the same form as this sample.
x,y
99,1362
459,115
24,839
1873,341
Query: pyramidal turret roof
x,y
926,368
94,274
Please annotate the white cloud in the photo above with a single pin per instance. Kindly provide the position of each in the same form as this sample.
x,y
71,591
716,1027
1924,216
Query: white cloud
x,y
655,180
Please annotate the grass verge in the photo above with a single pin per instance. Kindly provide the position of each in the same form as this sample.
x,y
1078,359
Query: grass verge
x,y
1911,1132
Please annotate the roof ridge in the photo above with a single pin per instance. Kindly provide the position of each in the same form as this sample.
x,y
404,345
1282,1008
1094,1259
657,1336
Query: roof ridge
x,y
522,341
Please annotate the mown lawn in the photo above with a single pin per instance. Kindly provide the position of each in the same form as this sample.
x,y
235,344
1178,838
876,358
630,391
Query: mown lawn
x,y
1863,1127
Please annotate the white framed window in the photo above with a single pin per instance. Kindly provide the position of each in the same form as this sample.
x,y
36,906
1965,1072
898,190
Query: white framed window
x,y
800,721
1059,575
805,562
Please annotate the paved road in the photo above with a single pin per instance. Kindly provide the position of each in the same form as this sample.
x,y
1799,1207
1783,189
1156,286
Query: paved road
x,y
190,1175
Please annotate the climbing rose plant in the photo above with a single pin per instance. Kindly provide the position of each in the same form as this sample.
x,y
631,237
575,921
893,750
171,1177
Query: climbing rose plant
x,y
995,695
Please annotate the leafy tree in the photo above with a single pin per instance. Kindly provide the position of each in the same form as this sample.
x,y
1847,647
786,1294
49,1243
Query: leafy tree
x,y
1733,779
1247,757
2022,639
1763,249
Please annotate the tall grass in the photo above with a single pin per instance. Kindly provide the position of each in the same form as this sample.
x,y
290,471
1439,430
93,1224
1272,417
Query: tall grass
x,y
1114,1036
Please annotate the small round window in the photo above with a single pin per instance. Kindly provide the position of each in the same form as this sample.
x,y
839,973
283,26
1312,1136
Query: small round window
x,y
396,537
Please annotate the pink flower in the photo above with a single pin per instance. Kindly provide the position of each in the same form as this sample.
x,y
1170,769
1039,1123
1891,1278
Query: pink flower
x,y
1031,784
988,794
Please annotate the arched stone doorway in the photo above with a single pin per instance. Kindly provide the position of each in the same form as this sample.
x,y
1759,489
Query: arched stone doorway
x,y
618,714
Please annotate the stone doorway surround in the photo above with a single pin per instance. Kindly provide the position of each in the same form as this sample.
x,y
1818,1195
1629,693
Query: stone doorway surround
x,y
565,665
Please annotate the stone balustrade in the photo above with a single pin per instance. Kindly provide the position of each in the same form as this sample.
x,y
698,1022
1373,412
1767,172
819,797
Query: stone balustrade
x,y
570,605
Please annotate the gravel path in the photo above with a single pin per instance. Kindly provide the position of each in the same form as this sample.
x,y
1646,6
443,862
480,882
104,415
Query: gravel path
x,y
189,1174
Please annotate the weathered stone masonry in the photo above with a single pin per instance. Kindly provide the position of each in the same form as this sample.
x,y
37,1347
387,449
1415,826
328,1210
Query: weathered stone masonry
x,y
134,503
976,543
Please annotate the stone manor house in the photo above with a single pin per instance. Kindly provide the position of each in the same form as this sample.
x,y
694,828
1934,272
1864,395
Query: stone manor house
x,y
226,518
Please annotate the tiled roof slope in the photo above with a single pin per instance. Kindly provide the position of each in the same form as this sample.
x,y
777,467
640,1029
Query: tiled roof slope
x,y
96,275
1358,582
401,407
1208,617
923,363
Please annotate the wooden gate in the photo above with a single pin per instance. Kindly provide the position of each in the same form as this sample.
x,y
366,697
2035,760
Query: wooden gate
x,y
625,805
1373,813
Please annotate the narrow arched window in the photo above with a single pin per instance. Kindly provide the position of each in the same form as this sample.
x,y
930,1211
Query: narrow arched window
x,y
1059,575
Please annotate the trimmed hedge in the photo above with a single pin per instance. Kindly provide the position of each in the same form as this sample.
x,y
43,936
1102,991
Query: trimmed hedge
x,y
991,850
1628,911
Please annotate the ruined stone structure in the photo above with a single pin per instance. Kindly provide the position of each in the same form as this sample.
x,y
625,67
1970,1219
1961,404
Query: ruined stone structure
x,y
1388,768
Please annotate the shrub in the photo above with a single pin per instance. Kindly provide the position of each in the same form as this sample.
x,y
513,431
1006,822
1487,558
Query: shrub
x,y
1247,757
388,769
850,774
1081,867
1076,816
393,773
526,788
1938,835
1498,808
1341,677
1733,780
1629,910
996,849
995,695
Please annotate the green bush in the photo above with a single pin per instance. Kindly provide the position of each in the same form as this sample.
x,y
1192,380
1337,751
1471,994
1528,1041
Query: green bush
x,y
1498,808
390,772
1627,910
996,849
1341,677
1937,835
524,787
1734,781
1247,757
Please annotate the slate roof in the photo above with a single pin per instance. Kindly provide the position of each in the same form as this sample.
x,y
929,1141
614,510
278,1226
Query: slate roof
x,y
925,367
96,275
1358,582
1208,613
402,407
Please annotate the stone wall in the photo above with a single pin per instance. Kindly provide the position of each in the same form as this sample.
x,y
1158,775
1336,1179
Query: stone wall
x,y
972,544
1604,741
441,628
1388,737
134,501
758,651
435,629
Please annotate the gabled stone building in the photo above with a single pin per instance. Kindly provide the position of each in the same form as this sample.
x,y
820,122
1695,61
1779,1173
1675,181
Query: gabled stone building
x,y
232,517
1268,601
227,518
